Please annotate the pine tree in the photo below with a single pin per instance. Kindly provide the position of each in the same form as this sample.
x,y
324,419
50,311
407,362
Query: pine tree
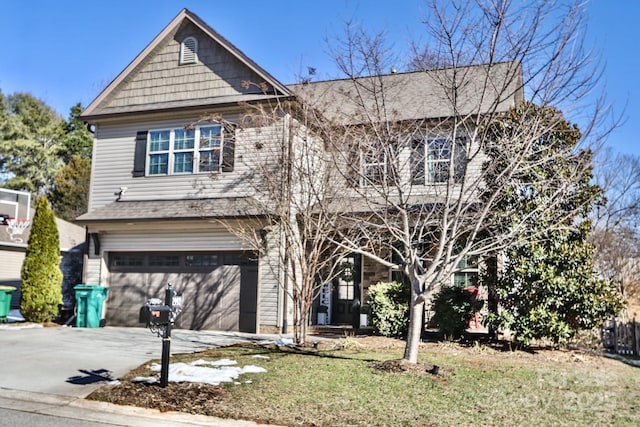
x,y
41,274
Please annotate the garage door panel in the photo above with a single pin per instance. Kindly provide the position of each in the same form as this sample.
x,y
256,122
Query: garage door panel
x,y
211,294
210,301
127,293
158,284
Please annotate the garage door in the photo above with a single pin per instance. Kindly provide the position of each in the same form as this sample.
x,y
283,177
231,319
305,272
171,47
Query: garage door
x,y
219,289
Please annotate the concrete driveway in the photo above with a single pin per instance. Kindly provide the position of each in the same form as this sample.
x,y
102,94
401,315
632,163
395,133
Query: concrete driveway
x,y
76,361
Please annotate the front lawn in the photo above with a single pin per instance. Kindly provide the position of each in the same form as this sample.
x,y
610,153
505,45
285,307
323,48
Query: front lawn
x,y
359,382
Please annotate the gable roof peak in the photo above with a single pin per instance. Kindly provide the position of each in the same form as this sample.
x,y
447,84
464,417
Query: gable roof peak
x,y
96,107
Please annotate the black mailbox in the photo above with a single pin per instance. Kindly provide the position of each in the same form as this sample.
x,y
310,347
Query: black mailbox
x,y
159,314
155,315
159,318
144,315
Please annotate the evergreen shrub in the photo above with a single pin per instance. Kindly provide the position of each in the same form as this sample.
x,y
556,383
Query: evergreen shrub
x,y
389,308
41,275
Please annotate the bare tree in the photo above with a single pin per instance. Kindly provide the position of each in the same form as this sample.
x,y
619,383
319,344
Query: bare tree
x,y
286,178
412,147
617,223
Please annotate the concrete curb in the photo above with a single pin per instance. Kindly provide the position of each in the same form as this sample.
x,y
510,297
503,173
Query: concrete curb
x,y
102,412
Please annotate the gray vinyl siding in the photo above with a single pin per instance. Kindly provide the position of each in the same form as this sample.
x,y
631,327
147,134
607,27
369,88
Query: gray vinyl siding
x,y
11,260
269,283
92,267
10,265
113,163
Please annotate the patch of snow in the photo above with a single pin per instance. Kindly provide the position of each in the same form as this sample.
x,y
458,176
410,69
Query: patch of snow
x,y
146,380
252,369
221,362
196,373
260,356
280,342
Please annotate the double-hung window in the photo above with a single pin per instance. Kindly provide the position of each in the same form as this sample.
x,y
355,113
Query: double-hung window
x,y
433,158
378,163
374,164
467,274
210,148
187,151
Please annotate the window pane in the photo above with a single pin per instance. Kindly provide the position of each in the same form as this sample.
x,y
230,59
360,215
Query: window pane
x,y
465,279
438,160
184,139
439,171
201,260
183,162
158,164
374,174
373,164
159,140
460,160
210,137
127,260
469,261
164,260
209,161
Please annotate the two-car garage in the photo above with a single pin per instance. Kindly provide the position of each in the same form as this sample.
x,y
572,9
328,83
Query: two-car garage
x,y
219,288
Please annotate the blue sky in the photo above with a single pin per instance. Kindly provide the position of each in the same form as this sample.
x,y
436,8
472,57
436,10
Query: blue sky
x,y
65,52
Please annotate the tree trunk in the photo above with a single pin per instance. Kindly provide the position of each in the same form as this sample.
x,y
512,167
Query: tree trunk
x,y
416,314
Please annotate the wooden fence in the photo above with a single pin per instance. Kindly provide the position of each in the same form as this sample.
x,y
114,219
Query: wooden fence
x,y
622,337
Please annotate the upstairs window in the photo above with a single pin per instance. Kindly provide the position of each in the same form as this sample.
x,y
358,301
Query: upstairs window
x,y
185,151
374,164
433,158
377,164
189,51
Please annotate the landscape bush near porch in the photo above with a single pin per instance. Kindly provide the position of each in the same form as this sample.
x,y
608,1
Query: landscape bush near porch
x,y
389,309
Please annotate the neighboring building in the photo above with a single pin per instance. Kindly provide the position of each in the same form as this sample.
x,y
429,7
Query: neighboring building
x,y
15,225
163,179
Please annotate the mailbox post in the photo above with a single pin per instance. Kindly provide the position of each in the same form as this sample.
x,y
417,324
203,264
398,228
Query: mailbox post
x,y
160,318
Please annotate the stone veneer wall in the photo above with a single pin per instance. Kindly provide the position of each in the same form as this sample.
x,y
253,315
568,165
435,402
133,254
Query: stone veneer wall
x,y
372,273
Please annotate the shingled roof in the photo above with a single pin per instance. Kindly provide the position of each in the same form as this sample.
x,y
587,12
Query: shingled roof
x,y
418,95
154,210
70,235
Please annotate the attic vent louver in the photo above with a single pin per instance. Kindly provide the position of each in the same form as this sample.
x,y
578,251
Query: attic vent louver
x,y
189,51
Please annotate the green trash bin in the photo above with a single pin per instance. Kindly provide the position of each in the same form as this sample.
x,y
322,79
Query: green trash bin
x,y
5,302
89,300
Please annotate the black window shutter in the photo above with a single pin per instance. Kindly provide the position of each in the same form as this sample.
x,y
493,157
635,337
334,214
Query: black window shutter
x,y
140,155
229,148
418,151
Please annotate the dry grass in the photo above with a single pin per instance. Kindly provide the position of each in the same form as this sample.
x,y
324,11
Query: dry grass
x,y
361,381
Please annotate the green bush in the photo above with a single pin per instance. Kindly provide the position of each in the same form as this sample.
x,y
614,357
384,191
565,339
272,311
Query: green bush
x,y
454,307
389,307
41,275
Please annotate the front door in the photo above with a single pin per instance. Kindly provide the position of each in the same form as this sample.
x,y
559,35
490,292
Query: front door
x,y
346,291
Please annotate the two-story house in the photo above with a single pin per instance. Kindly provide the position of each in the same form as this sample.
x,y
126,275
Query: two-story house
x,y
167,184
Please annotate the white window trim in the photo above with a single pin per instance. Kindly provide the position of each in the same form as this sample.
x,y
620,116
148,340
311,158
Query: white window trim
x,y
428,163
196,151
